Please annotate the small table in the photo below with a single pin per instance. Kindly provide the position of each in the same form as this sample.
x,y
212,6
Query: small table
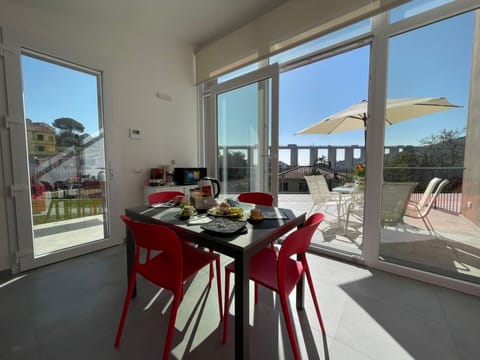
x,y
351,190
240,247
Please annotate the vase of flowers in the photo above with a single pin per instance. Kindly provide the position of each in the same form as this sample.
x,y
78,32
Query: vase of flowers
x,y
359,175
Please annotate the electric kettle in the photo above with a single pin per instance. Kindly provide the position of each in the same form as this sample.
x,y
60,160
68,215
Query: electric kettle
x,y
209,186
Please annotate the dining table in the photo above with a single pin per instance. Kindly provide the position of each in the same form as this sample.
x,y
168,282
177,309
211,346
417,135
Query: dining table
x,y
241,246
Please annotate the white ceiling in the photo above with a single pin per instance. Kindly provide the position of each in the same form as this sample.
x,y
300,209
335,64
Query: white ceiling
x,y
196,22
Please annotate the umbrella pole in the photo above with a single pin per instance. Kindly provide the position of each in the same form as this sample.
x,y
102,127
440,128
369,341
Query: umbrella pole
x,y
364,118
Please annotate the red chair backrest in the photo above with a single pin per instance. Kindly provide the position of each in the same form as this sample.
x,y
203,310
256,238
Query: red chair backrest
x,y
163,196
157,238
299,240
258,198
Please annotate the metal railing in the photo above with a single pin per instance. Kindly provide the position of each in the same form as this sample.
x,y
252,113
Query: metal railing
x,y
292,180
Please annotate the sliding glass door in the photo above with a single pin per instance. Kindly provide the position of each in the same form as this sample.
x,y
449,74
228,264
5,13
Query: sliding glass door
x,y
310,92
244,140
439,233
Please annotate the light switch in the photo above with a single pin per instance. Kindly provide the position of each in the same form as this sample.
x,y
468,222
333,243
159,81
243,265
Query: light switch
x,y
136,133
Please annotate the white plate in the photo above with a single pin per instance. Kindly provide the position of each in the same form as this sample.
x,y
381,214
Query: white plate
x,y
217,212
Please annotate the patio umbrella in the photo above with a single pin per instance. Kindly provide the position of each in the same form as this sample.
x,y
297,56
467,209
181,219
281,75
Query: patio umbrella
x,y
355,117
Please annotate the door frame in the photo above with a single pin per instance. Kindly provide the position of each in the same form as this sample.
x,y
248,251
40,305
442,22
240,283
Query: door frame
x,y
211,135
17,204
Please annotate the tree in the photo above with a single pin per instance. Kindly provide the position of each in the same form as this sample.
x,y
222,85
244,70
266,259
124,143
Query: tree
x,y
446,148
68,131
236,164
68,124
407,159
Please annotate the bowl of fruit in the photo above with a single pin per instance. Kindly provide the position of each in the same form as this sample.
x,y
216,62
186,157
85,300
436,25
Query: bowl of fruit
x,y
186,211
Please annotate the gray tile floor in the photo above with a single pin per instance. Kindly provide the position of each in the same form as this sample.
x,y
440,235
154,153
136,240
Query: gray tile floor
x,y
70,310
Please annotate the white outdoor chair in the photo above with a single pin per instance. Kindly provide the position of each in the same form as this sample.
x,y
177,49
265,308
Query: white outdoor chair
x,y
355,205
420,211
395,198
427,194
321,195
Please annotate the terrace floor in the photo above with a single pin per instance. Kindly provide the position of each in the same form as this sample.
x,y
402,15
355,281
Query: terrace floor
x,y
453,250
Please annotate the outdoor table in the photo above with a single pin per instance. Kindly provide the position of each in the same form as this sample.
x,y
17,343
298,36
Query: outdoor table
x,y
351,190
239,246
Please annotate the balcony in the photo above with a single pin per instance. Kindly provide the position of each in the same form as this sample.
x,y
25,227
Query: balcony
x,y
452,249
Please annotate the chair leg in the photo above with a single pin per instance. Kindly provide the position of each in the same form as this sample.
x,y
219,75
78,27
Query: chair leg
x,y
314,206
428,225
211,266
219,286
347,215
128,297
226,305
314,297
171,325
288,323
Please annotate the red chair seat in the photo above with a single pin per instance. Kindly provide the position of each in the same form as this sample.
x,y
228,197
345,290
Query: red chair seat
x,y
158,269
263,270
277,271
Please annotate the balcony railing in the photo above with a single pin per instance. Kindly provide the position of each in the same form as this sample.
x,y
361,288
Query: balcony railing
x,y
292,180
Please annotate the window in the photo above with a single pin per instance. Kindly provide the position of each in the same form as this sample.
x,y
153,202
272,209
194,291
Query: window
x,y
415,7
40,137
323,42
442,239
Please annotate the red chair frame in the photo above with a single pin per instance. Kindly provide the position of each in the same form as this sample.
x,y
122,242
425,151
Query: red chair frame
x,y
176,262
277,271
163,196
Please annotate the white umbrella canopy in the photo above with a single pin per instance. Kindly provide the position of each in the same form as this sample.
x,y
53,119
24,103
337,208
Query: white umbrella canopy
x,y
355,117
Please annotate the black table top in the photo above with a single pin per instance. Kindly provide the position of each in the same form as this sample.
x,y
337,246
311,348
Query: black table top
x,y
246,242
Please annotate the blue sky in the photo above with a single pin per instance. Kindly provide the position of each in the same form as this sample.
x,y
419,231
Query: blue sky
x,y
52,91
428,62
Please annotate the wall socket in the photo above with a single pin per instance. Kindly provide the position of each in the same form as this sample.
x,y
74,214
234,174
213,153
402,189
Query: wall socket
x,y
469,204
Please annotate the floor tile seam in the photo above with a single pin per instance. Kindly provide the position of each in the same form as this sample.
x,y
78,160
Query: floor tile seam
x,y
366,355
333,334
447,325
36,337
335,338
415,314
421,318
420,315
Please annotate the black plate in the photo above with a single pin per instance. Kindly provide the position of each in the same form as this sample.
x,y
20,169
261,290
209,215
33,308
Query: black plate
x,y
224,226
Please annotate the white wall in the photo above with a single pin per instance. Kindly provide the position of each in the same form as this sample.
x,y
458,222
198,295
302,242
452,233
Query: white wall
x,y
137,67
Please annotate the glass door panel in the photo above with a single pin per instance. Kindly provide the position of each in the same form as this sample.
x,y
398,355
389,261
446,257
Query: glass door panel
x,y
310,93
245,149
440,236
66,159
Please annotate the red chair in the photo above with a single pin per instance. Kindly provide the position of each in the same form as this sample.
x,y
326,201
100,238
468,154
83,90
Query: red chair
x,y
258,198
163,196
278,272
176,262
